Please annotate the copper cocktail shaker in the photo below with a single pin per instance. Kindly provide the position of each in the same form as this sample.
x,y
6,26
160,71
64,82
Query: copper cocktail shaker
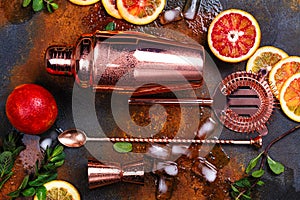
x,y
129,62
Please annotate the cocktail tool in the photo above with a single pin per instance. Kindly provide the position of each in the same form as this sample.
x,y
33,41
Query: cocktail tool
x,y
249,102
127,62
104,173
77,138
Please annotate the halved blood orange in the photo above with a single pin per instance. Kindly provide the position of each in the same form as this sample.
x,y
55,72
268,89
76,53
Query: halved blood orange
x,y
111,8
290,97
282,71
234,35
265,58
84,2
140,12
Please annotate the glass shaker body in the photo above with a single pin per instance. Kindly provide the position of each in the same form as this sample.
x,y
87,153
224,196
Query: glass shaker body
x,y
128,62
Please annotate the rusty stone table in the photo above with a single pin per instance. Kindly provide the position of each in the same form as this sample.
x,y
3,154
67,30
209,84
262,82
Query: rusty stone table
x,y
25,35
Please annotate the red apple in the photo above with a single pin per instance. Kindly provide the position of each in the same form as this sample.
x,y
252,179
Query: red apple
x,y
31,109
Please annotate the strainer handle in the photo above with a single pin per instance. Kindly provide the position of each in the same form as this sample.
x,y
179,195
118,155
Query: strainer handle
x,y
187,101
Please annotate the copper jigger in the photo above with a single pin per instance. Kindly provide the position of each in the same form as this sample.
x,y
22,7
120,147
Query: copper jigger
x,y
105,173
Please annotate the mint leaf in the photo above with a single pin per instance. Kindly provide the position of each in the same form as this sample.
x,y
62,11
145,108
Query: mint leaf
x,y
26,3
57,150
246,197
59,157
29,192
234,188
59,163
243,183
276,167
258,173
42,179
37,5
54,6
123,147
260,183
24,183
49,8
41,193
253,163
110,26
14,194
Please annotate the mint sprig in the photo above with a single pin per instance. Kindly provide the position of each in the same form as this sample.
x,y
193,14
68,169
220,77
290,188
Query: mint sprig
x,y
241,189
45,171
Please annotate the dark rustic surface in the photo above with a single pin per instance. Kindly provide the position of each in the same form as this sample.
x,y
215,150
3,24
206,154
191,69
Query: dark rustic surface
x,y
24,37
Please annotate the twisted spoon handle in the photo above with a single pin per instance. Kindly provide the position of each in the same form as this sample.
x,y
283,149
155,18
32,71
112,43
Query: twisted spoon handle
x,y
255,141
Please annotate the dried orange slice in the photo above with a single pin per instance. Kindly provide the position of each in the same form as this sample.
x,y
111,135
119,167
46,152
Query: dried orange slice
x,y
290,97
265,58
140,12
234,35
59,190
111,8
282,71
84,2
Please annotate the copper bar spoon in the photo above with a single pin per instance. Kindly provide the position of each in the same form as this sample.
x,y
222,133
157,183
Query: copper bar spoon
x,y
78,138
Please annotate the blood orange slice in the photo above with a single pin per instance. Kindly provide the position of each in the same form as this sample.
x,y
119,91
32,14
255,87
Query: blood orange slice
x,y
111,8
265,58
140,11
282,71
234,35
290,97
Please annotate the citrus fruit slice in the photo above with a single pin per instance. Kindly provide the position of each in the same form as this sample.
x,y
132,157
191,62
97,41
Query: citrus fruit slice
x,y
290,97
84,2
111,8
265,58
234,35
140,11
281,71
60,190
